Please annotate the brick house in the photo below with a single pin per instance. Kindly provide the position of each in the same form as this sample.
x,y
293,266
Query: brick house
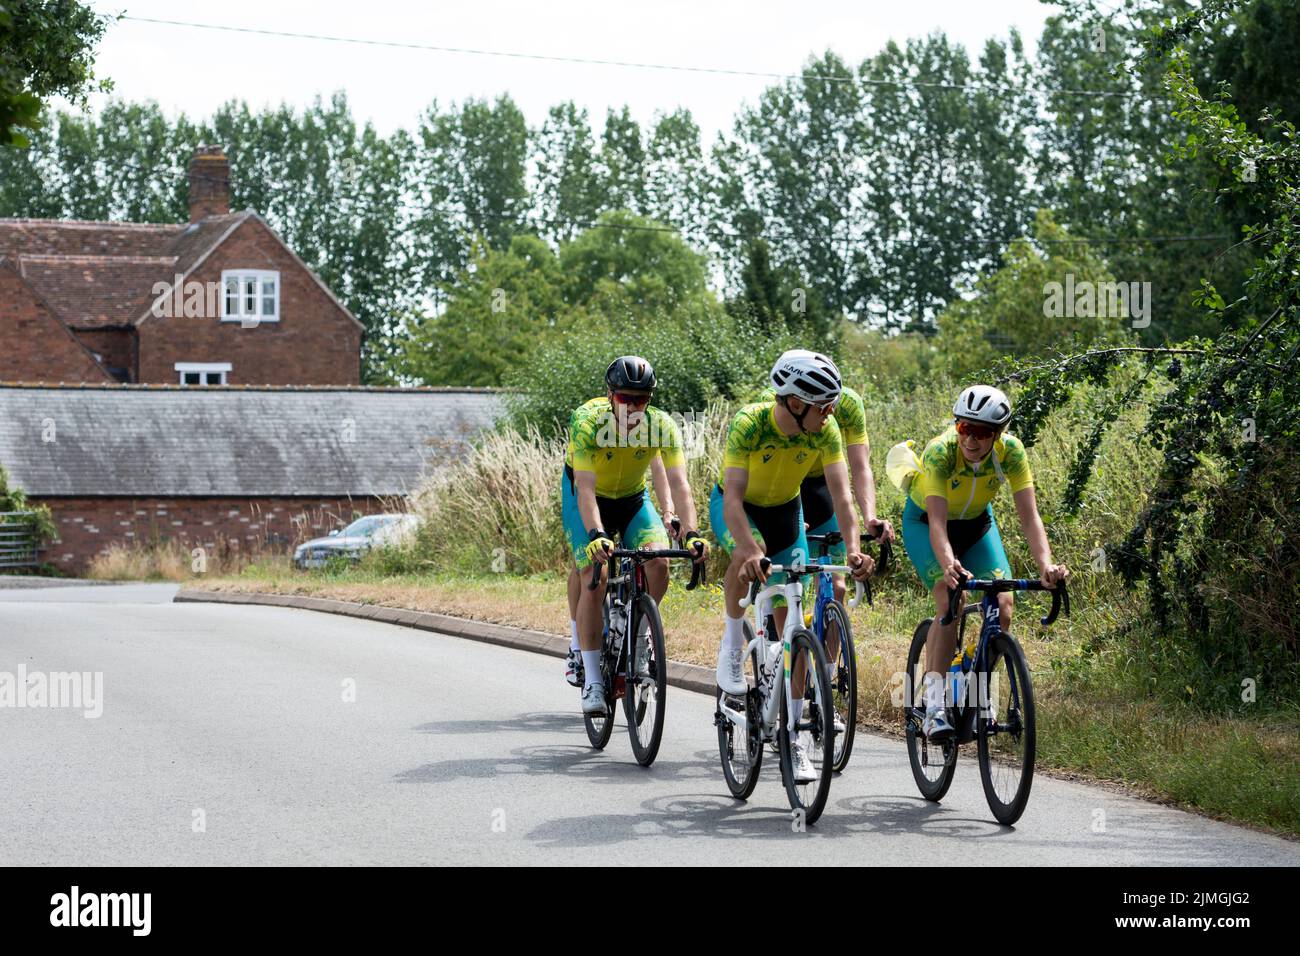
x,y
223,467
219,300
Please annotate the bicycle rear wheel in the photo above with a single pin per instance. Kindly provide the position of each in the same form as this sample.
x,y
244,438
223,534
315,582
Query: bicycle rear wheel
x,y
1007,741
643,704
741,750
816,730
933,764
844,682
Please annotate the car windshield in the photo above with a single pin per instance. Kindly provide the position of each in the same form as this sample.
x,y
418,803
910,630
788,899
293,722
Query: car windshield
x,y
365,527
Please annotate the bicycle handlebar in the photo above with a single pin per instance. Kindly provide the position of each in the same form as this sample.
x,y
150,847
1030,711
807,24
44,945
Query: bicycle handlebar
x,y
832,538
1060,596
860,587
697,568
886,550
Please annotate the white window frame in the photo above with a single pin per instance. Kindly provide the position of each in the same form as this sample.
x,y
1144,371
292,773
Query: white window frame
x,y
203,368
243,276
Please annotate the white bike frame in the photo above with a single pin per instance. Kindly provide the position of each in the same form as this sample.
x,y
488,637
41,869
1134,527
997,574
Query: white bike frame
x,y
792,591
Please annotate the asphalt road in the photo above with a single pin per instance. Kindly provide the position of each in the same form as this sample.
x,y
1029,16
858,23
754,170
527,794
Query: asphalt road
x,y
225,738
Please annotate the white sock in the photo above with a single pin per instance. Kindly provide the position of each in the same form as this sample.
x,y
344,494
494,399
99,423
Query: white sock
x,y
933,692
591,667
573,636
733,634
796,709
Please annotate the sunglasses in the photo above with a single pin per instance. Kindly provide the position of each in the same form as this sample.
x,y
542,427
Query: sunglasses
x,y
978,432
632,401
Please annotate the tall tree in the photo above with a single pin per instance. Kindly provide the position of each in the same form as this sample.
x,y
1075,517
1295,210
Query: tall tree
x,y
795,164
622,163
469,183
567,194
678,179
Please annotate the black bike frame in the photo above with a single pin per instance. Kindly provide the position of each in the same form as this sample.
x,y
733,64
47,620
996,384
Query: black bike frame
x,y
624,588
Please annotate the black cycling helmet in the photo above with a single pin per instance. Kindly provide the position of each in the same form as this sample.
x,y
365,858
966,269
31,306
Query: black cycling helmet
x,y
630,371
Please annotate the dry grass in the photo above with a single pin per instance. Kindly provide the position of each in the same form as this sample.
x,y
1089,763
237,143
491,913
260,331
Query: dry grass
x,y
172,561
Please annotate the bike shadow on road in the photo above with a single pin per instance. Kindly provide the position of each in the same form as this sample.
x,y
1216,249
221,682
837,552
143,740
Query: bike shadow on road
x,y
575,761
765,816
547,722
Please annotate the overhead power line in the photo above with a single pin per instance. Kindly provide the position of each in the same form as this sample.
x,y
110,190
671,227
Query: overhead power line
x,y
680,68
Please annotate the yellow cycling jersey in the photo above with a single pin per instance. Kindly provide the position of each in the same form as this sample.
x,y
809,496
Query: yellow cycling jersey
x,y
777,463
850,415
945,473
620,457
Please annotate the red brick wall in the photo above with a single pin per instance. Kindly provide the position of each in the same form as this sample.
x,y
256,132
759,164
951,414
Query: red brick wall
x,y
87,526
37,346
314,343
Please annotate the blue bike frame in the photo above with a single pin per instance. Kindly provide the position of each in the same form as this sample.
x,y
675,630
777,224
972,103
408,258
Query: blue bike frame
x,y
991,618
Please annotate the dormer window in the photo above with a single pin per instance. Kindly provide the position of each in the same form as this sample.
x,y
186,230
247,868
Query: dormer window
x,y
202,373
250,295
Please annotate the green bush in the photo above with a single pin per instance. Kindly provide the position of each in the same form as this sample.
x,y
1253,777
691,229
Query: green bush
x,y
699,355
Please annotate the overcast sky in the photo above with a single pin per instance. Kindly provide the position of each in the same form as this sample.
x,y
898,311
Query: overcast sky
x,y
195,70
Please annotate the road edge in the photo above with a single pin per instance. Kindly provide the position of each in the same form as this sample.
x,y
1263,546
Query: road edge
x,y
693,677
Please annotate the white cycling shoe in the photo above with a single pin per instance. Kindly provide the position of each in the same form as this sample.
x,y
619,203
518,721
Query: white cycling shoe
x,y
731,672
935,726
593,699
803,768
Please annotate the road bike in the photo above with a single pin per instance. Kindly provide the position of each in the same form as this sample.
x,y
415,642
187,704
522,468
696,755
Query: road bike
x,y
774,664
638,674
830,622
989,698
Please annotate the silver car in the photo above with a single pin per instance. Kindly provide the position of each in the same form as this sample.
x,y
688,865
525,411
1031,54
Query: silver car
x,y
355,540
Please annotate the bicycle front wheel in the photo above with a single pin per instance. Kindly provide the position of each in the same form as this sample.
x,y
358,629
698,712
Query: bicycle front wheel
x,y
933,764
815,730
1006,735
647,683
741,745
844,682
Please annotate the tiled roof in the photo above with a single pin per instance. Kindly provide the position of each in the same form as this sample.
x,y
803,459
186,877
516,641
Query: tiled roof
x,y
97,274
237,442
97,291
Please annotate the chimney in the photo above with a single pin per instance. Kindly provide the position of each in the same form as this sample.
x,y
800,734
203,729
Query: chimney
x,y
209,183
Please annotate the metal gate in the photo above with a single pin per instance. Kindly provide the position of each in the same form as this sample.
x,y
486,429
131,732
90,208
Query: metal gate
x,y
18,540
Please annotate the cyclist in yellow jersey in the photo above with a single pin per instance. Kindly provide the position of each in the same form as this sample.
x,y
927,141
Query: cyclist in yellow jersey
x,y
755,510
613,442
818,510
949,530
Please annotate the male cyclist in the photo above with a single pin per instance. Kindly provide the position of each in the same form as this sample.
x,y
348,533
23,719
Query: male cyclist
x,y
949,530
814,494
613,442
755,509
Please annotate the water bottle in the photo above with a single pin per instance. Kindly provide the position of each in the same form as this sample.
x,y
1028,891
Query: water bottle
x,y
618,623
959,670
956,679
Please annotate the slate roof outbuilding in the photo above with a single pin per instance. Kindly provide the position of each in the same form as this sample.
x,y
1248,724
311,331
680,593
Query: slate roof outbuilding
x,y
132,440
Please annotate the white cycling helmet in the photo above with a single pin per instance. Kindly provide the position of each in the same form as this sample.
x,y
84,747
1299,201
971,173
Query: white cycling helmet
x,y
810,376
984,404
